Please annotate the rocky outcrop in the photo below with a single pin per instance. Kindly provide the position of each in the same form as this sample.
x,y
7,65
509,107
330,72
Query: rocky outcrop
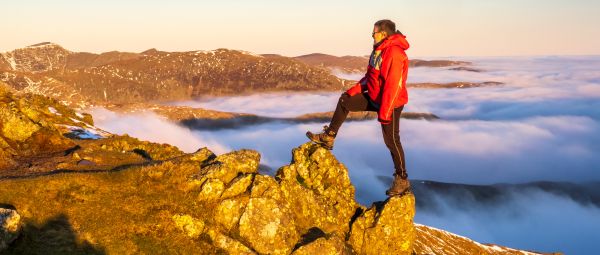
x,y
10,227
266,214
39,135
27,129
308,206
374,229
327,200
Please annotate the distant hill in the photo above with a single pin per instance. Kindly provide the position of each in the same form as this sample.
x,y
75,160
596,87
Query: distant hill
x,y
358,64
120,77
349,64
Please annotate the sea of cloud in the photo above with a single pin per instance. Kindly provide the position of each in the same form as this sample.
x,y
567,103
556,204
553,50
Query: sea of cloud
x,y
531,220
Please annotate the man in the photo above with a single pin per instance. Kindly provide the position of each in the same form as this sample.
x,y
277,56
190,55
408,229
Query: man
x,y
382,90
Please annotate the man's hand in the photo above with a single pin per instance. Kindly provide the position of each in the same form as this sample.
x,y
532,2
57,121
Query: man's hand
x,y
384,122
355,90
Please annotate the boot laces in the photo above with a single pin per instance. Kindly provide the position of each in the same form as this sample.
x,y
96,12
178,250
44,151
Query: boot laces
x,y
327,132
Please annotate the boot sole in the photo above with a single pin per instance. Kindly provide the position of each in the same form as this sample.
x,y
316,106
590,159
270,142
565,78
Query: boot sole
x,y
320,143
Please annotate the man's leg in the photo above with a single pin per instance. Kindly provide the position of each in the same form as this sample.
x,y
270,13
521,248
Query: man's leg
x,y
391,137
345,105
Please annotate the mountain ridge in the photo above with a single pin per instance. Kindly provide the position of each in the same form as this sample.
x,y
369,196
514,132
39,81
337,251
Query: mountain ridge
x,y
83,79
121,77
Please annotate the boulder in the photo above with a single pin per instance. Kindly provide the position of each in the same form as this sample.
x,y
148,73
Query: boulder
x,y
228,166
229,244
232,171
191,226
317,188
385,228
238,186
10,227
229,212
211,190
265,186
268,227
308,208
16,126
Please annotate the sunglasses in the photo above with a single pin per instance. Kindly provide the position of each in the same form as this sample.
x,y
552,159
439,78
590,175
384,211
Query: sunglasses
x,y
373,34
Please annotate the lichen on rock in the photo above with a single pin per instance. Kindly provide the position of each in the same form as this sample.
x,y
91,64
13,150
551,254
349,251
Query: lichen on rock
x,y
229,212
228,166
318,189
211,190
16,126
191,226
268,227
385,228
230,245
238,185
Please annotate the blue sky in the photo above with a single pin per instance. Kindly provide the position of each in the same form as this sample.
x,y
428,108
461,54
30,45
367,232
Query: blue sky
x,y
433,27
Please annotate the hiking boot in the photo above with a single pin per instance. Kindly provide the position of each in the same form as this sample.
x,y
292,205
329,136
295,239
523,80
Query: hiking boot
x,y
325,139
399,187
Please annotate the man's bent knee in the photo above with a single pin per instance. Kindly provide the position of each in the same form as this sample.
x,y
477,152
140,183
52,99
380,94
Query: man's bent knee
x,y
343,100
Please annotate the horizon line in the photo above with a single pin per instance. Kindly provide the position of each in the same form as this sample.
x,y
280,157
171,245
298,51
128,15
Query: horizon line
x,y
413,57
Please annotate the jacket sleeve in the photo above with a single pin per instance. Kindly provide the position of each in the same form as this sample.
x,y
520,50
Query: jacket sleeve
x,y
358,88
392,84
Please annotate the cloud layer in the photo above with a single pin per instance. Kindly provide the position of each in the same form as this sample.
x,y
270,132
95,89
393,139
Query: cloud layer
x,y
531,220
269,104
151,127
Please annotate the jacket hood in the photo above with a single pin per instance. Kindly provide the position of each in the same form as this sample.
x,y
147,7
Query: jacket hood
x,y
394,40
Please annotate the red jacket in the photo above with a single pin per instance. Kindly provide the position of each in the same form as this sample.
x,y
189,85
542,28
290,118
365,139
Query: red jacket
x,y
385,80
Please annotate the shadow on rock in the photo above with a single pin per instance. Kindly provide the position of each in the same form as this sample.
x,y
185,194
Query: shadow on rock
x,y
55,236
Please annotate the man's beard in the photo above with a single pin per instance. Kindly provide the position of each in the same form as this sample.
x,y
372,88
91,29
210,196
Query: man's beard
x,y
375,45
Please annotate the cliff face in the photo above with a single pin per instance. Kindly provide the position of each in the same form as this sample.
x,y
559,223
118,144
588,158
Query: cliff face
x,y
118,195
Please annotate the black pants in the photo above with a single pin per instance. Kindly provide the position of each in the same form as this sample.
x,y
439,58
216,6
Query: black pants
x,y
391,132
